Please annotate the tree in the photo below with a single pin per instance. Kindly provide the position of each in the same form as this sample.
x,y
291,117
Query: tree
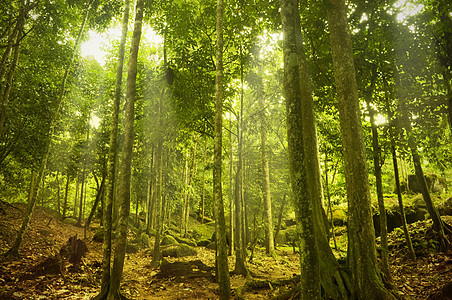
x,y
270,247
309,259
362,248
222,273
14,250
112,158
126,162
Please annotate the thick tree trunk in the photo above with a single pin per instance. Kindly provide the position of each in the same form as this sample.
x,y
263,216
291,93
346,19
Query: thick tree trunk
x,y
362,249
268,222
309,259
220,227
126,162
14,251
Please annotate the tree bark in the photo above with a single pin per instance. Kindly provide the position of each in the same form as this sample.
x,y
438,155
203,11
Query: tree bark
x,y
126,162
66,190
309,259
362,249
376,155
220,225
268,222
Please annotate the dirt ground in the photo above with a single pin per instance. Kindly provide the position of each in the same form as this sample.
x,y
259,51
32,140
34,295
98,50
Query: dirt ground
x,y
190,277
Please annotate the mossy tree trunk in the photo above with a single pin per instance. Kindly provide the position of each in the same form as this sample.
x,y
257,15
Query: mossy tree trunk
x,y
220,224
301,196
112,158
362,248
126,162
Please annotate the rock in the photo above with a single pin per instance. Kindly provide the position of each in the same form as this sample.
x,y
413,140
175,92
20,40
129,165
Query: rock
x,y
435,183
145,241
339,216
168,240
445,208
185,241
180,250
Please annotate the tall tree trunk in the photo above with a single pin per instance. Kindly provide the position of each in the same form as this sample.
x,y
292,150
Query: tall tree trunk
x,y
80,208
301,196
126,162
156,256
411,252
362,249
240,249
203,188
438,224
100,192
112,159
268,222
58,194
9,82
231,191
185,197
220,224
66,190
378,180
281,211
14,251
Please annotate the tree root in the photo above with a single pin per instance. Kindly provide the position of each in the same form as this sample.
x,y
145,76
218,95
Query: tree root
x,y
263,284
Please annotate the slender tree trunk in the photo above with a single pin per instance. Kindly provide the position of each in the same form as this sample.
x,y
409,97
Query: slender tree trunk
x,y
185,197
281,211
378,180
126,162
80,208
220,224
231,191
309,260
9,82
240,249
268,222
112,159
438,224
66,190
411,252
14,251
58,193
74,210
362,249
100,192
156,256
203,189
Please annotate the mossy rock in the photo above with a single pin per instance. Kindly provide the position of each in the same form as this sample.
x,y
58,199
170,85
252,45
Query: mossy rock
x,y
435,183
180,250
339,216
445,207
185,241
287,236
144,240
168,240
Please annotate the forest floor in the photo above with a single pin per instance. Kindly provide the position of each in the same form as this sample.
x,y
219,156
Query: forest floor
x,y
38,274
